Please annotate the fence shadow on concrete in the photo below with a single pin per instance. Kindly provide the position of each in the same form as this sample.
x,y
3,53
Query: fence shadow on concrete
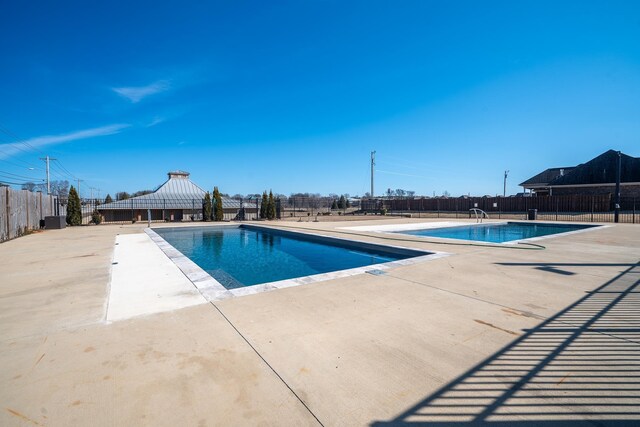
x,y
579,367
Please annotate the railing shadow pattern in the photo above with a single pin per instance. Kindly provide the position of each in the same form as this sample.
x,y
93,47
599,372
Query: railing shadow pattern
x,y
579,367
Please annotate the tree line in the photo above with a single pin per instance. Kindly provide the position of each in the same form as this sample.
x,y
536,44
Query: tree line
x,y
341,203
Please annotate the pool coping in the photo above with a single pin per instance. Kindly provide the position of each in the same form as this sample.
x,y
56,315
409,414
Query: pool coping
x,y
213,290
394,229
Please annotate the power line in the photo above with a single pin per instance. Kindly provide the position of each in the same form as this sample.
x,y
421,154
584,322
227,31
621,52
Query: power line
x,y
62,173
15,183
47,159
18,139
20,166
14,146
65,169
5,173
373,164
60,170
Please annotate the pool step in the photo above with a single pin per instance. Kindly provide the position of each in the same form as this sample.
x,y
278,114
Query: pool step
x,y
226,280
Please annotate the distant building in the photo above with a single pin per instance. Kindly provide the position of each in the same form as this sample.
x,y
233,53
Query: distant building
x,y
178,199
597,176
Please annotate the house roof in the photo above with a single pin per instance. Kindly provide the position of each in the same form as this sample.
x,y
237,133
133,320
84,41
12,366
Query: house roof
x,y
177,192
599,170
603,170
545,177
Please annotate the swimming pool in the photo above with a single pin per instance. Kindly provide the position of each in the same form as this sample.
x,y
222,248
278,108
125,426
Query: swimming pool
x,y
240,256
497,233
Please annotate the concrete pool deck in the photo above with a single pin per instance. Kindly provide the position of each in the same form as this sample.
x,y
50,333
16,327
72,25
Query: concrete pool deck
x,y
488,334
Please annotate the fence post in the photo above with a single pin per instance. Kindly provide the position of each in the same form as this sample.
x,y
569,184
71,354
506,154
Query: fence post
x,y
438,206
27,209
634,210
8,211
557,208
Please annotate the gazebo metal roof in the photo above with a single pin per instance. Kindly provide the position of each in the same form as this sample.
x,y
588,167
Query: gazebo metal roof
x,y
178,192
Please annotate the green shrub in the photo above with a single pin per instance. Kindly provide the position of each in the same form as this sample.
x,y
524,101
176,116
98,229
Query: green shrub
x,y
263,205
207,208
271,206
96,218
74,215
218,213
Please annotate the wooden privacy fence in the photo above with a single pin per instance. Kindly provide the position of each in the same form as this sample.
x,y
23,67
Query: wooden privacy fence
x,y
21,211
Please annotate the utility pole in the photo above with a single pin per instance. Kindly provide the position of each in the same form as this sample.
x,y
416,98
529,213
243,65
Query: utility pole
x,y
504,190
79,181
46,160
616,213
373,163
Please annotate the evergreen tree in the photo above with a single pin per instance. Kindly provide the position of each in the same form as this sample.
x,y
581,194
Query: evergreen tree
x,y
218,214
96,218
334,205
271,206
263,206
207,207
347,203
74,215
342,203
108,199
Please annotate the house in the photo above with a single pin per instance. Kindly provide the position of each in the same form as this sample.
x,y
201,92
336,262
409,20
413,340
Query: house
x,y
597,176
177,199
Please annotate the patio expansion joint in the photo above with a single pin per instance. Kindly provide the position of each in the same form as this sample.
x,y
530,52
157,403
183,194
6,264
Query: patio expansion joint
x,y
255,350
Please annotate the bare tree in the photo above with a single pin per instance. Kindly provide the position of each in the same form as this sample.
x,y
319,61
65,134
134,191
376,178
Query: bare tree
x,y
60,188
30,186
141,193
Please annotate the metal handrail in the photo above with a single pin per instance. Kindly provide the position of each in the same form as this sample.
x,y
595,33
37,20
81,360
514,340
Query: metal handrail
x,y
476,210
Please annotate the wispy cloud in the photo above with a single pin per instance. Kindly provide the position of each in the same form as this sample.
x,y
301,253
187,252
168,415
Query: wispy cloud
x,y
8,150
156,121
136,94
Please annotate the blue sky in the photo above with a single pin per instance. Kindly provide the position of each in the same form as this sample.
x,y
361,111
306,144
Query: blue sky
x,y
293,96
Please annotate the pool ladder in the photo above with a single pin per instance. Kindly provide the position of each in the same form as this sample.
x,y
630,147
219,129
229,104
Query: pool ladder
x,y
481,212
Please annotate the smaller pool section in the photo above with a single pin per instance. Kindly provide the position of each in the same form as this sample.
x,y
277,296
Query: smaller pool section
x,y
497,233
238,256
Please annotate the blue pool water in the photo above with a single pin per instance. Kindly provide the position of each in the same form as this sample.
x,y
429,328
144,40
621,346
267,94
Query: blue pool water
x,y
244,256
497,233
